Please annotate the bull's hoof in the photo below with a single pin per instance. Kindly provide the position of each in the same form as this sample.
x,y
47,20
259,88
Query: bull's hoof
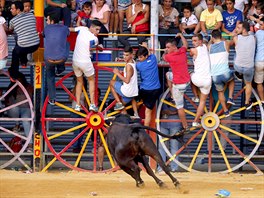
x,y
140,184
162,184
177,184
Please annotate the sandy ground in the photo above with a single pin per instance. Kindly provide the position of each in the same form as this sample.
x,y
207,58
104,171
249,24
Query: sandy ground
x,y
70,184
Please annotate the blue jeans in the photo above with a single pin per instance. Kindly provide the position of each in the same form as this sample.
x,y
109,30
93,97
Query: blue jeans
x,y
50,68
173,146
78,143
21,112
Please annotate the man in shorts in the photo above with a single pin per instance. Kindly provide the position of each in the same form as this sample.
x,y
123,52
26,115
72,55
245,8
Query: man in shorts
x,y
81,61
126,91
220,71
179,78
244,61
201,77
150,88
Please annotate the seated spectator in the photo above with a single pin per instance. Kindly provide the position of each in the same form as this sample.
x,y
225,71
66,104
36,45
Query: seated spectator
x,y
21,111
243,6
220,71
188,21
231,17
84,15
168,21
138,22
3,42
24,25
259,60
62,10
121,6
244,60
27,6
126,91
200,5
113,20
255,18
56,51
211,19
201,77
101,12
169,128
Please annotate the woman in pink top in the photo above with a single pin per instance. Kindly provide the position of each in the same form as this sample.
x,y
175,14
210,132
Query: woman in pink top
x,y
101,12
3,42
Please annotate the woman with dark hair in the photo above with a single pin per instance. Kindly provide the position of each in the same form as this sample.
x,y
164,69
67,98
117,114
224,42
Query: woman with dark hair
x,y
23,110
101,12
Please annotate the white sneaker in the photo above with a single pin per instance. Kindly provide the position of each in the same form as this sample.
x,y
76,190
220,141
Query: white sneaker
x,y
77,108
195,124
195,99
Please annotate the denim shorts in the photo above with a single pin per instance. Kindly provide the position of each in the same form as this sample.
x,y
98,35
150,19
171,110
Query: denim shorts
x,y
178,91
221,80
117,87
248,72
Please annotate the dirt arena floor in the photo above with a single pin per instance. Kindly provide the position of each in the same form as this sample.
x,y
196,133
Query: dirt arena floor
x,y
15,184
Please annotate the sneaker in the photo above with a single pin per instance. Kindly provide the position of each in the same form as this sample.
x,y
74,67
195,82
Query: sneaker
x,y
136,115
238,76
100,47
182,131
59,73
52,102
249,105
195,99
114,36
231,101
195,124
77,107
92,107
227,114
119,106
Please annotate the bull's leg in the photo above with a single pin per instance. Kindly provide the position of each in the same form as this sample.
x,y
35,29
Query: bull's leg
x,y
144,161
131,168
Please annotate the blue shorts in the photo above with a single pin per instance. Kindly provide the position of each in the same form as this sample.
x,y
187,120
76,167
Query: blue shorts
x,y
248,73
221,80
117,87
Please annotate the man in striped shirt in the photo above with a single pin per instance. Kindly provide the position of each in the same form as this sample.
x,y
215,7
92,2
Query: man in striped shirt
x,y
27,39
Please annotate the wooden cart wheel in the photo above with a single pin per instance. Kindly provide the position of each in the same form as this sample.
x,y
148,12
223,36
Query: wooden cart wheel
x,y
197,154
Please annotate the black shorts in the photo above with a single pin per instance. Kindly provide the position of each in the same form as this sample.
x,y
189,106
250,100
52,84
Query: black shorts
x,y
149,97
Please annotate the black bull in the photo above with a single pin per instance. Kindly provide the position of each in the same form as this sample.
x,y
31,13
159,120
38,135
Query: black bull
x,y
130,144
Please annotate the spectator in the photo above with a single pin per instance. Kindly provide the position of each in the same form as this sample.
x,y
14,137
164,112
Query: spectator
x,y
168,21
61,9
81,61
78,144
84,15
24,25
220,71
200,5
113,20
101,12
126,91
211,19
150,86
231,17
255,18
56,51
244,60
27,6
22,111
138,22
259,60
3,42
242,5
201,77
188,21
179,78
121,6
169,128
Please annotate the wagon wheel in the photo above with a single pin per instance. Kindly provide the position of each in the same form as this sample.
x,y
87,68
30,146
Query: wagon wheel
x,y
214,125
8,156
92,125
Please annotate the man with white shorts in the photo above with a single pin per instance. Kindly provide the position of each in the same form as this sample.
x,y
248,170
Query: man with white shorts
x,y
201,77
81,61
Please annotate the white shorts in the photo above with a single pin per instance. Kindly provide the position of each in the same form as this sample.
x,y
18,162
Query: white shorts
x,y
259,72
204,84
81,68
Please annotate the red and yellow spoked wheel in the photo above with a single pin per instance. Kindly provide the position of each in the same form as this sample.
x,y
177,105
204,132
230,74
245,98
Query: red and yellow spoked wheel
x,y
220,144
58,131
8,120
